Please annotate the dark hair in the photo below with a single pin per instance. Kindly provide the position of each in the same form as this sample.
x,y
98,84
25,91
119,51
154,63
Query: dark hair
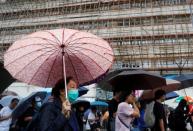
x,y
124,95
14,100
68,79
60,85
115,91
93,108
159,94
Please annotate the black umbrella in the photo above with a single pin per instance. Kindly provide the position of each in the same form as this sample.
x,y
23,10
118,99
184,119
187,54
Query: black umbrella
x,y
171,95
82,90
5,78
83,103
26,102
185,79
137,80
104,83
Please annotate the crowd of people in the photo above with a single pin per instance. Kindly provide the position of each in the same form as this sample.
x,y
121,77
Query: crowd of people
x,y
124,113
127,114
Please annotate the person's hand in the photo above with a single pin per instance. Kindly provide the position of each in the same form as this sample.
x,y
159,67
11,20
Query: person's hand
x,y
29,118
66,108
66,105
5,117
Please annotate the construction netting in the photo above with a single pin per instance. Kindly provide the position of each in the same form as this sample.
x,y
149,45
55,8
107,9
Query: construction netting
x,y
148,34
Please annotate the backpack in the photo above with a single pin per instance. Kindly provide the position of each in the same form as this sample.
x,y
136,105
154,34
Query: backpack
x,y
171,120
149,116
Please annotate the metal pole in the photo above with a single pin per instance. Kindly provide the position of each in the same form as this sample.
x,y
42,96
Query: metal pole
x,y
64,72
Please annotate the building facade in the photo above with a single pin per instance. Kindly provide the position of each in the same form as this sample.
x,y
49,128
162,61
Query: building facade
x,y
155,35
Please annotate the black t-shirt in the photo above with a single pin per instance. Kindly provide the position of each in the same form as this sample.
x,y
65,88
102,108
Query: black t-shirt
x,y
79,116
113,105
180,119
159,113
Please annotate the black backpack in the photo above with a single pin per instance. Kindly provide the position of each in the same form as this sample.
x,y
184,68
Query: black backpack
x,y
171,120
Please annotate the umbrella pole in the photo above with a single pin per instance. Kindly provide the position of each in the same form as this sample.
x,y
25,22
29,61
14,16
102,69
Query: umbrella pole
x,y
64,73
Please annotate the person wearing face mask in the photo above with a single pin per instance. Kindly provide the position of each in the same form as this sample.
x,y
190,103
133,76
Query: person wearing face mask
x,y
72,89
127,111
56,114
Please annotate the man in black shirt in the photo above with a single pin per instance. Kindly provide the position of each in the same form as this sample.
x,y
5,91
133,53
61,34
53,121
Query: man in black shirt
x,y
159,111
113,105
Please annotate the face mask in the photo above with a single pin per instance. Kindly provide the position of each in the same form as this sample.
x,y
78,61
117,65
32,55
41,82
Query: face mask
x,y
39,104
72,95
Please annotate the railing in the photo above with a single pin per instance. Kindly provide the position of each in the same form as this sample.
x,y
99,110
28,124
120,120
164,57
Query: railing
x,y
126,31
104,5
95,16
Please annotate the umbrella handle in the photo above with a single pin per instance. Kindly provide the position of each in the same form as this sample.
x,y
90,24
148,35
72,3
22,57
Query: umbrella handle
x,y
64,73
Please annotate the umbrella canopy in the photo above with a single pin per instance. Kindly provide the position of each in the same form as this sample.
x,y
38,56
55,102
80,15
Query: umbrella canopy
x,y
99,103
8,93
26,102
187,98
82,90
185,79
5,78
137,80
42,58
83,103
104,84
171,95
172,85
5,101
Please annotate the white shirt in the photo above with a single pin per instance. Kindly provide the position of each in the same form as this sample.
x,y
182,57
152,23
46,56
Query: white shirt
x,y
4,125
91,116
124,112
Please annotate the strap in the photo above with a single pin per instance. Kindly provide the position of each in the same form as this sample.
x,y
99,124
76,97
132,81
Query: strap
x,y
128,127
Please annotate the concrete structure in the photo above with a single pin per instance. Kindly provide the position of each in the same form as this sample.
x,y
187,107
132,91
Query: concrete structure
x,y
155,35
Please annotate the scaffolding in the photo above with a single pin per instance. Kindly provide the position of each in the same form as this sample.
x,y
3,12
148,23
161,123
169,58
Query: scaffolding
x,y
155,35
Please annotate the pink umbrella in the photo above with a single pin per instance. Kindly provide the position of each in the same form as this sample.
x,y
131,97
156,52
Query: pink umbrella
x,y
44,57
172,85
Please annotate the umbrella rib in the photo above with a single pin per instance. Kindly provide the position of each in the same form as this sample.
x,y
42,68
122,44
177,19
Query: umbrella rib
x,y
89,58
52,68
81,62
66,42
71,42
41,65
89,44
32,61
53,36
27,46
91,51
63,36
73,68
26,55
46,39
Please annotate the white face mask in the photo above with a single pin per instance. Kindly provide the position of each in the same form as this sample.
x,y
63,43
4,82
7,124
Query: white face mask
x,y
39,104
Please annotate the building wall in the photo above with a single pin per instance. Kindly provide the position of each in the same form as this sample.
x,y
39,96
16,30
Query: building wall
x,y
155,35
